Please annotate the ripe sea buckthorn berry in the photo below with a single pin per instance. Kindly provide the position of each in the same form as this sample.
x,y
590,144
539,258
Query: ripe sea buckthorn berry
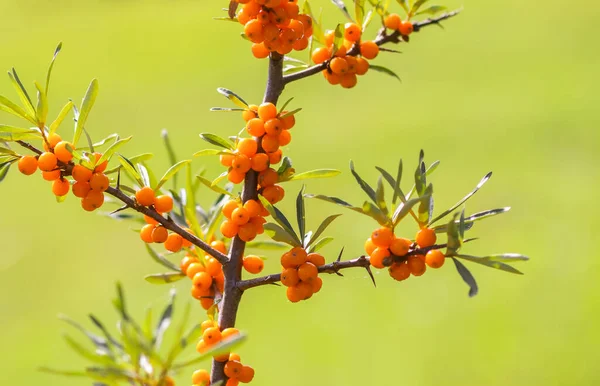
x,y
258,224
212,335
62,152
163,204
202,347
202,293
100,167
306,21
285,138
369,246
288,121
399,271
291,9
234,357
233,369
300,44
348,80
99,182
268,178
351,60
185,262
288,36
174,243
362,66
51,176
226,159
426,237
60,187
250,113
275,157
305,290
81,189
207,324
240,216
254,31
247,232
52,139
294,294
206,303
168,381
338,65
315,258
248,147
260,51
253,264
435,258
232,382
201,377
146,233
400,246
184,242
193,269
235,176
229,332
369,49
253,208
47,162
298,255
213,267
229,207
392,21
273,127
416,265
270,143
271,194
290,277
267,111
159,234
333,79
28,165
93,200
382,237
81,173
316,284
260,162
229,229
377,257
270,33
145,196
307,272
352,32
202,280
246,375
219,246
406,28
221,358
321,54
255,127
241,163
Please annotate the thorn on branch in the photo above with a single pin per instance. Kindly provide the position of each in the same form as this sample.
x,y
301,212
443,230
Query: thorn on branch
x,y
368,268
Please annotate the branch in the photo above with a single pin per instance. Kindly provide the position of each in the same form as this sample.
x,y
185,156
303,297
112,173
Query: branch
x,y
30,147
381,39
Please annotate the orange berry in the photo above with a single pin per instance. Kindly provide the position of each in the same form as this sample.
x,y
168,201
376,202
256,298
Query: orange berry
x,y
399,271
298,255
260,162
258,224
233,369
99,182
369,49
200,293
219,246
305,289
253,208
294,294
240,216
248,147
267,111
53,139
260,51
270,34
362,66
321,54
416,265
392,21
159,234
145,196
100,167
213,267
229,207
211,335
202,347
232,382
271,193
226,159
273,127
206,303
235,176
186,243
268,178
316,259
352,32
285,138
246,375
241,163
270,143
426,237
207,324
234,357
51,176
253,264
341,52
288,121
47,162
254,31
60,187
435,258
406,28
369,246
290,277
351,60
81,173
186,262
307,272
382,237
229,332
247,232
62,153
81,189
93,200
202,280
249,113
338,65
333,79
400,246
229,229
377,257
174,243
28,165
348,80
146,233
255,127
275,157
316,284
163,204
201,377
300,44
193,269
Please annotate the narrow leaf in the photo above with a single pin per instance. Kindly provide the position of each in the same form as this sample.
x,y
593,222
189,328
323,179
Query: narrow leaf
x,y
214,188
171,173
236,99
363,185
112,150
340,4
86,107
467,277
384,70
61,117
322,228
277,233
318,173
130,170
161,259
489,263
49,74
405,208
217,141
301,213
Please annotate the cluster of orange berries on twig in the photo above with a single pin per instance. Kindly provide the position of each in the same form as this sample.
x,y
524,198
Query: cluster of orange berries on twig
x,y
274,26
245,221
394,22
234,369
300,273
56,163
383,244
206,274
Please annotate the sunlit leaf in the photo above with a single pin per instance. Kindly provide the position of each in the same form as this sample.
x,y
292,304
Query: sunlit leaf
x,y
206,152
170,173
468,278
377,214
22,92
86,107
267,245
49,73
7,106
301,213
432,10
280,218
42,105
384,70
160,259
108,153
214,188
190,202
236,99
164,278
490,263
342,7
319,244
335,200
217,141
359,11
363,184
87,354
61,117
318,173
380,196
165,320
322,228
338,39
130,169
404,209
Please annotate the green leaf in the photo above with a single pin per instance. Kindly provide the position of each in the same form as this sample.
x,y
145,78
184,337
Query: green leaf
x,y
107,335
319,244
100,343
225,346
318,34
335,200
16,134
190,203
384,70
490,263
417,4
506,257
404,209
338,39
367,20
227,109
380,195
4,150
87,354
301,213
181,339
42,105
467,277
112,150
170,152
217,141
318,173
170,173
130,169
322,228
11,108
464,199
56,51
454,240
340,4
426,206
432,10
65,373
290,113
4,168
359,11
61,117
430,170
363,185
214,188
485,214
373,211
236,99
421,175
277,233
267,245
86,107
165,320
133,160
22,92
404,5
161,259
395,185
280,218
206,152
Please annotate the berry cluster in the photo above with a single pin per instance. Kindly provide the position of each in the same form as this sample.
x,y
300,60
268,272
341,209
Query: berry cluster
x,y
394,22
56,163
206,274
245,221
383,244
342,68
274,26
300,273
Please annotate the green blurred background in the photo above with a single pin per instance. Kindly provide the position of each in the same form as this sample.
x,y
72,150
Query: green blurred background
x,y
508,86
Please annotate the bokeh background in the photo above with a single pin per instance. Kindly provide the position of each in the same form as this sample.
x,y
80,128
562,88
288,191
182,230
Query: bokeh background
x,y
508,86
